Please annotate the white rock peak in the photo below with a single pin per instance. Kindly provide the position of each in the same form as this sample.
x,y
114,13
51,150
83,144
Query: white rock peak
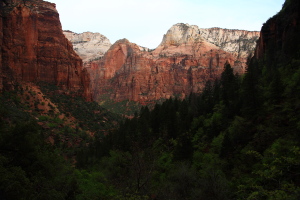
x,y
239,42
181,33
89,46
92,46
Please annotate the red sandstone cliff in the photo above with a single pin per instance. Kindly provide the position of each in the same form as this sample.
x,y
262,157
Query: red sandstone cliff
x,y
181,64
127,73
34,48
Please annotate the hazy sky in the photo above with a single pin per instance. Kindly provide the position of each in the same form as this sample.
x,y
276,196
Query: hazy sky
x,y
144,22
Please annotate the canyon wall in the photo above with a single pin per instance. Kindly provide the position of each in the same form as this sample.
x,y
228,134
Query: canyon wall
x,y
184,61
34,48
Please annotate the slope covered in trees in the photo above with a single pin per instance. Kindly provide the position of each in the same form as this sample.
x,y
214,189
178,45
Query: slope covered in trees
x,y
40,135
222,144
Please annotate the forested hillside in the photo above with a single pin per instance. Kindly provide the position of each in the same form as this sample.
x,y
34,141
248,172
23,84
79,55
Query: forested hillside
x,y
41,132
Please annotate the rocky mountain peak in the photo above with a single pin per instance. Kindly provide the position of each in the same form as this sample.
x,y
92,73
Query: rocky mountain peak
x,y
241,43
187,57
89,46
181,33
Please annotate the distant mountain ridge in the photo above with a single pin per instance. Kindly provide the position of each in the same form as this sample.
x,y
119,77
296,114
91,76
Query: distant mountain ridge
x,y
231,40
90,46
186,58
239,42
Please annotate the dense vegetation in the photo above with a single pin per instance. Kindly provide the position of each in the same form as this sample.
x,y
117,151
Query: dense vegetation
x,y
38,148
29,168
90,116
237,140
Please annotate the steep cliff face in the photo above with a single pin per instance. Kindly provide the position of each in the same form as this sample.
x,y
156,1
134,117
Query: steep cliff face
x,y
89,46
127,73
181,64
34,48
279,37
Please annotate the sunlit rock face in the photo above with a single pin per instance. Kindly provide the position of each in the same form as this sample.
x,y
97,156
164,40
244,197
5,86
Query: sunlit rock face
x,y
240,43
34,48
186,58
89,46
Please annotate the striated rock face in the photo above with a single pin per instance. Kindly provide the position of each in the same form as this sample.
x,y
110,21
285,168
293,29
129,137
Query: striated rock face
x,y
89,46
181,64
34,48
240,43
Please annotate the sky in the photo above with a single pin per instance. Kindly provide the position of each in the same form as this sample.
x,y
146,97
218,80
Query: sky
x,y
144,22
